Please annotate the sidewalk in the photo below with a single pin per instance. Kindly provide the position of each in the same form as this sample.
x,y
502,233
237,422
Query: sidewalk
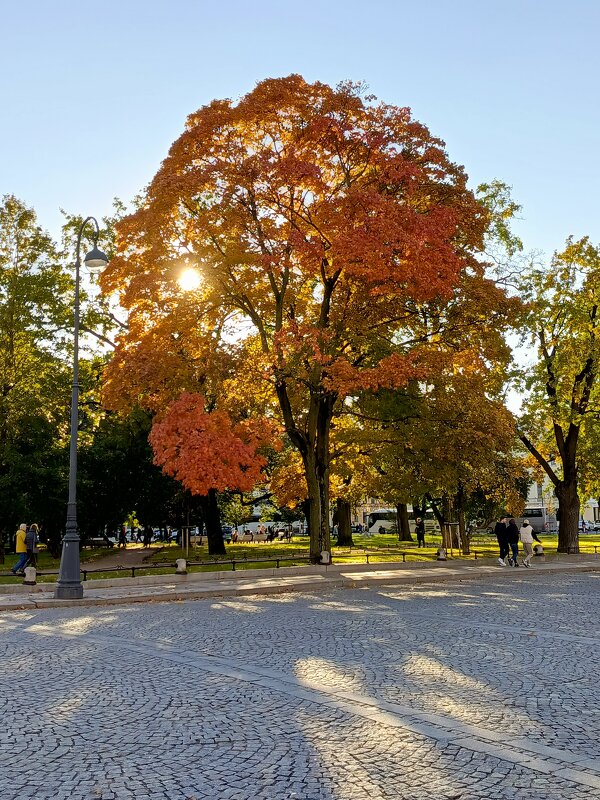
x,y
163,588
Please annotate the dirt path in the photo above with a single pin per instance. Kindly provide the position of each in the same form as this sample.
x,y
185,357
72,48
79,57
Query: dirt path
x,y
131,556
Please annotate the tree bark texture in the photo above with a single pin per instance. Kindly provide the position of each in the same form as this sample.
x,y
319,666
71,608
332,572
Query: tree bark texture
x,y
569,509
343,520
403,523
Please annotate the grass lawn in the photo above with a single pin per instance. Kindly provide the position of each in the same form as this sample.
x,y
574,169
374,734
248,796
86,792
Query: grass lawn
x,y
380,548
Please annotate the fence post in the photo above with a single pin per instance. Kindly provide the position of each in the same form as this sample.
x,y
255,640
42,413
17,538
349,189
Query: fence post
x,y
233,564
404,558
367,555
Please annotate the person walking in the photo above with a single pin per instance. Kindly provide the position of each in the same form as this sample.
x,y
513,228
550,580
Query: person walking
x,y
123,537
527,537
512,534
420,531
502,537
31,542
20,550
147,536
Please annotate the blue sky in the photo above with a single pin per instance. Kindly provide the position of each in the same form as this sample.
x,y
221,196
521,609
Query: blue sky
x,y
93,94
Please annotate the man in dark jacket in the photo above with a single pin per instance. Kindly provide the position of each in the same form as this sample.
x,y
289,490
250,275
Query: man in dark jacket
x,y
420,531
512,534
500,531
31,542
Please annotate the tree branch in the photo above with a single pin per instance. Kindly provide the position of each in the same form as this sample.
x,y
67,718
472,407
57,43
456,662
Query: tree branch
x,y
99,336
540,459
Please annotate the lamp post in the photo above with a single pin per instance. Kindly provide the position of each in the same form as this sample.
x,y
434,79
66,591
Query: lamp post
x,y
69,586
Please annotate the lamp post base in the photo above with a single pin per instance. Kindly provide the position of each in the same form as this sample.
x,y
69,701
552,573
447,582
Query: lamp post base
x,y
68,586
74,592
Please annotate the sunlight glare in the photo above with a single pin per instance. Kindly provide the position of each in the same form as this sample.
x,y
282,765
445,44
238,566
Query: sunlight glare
x,y
189,279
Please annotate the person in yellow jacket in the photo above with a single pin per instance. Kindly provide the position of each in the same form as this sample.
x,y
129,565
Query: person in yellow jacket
x,y
20,550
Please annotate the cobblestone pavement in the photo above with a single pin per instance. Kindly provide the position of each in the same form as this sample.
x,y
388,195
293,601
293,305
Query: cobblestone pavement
x,y
478,690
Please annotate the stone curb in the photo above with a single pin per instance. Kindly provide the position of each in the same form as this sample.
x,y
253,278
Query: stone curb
x,y
274,572
242,585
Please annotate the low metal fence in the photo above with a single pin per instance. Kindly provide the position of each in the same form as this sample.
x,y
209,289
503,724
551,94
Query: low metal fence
x,y
235,563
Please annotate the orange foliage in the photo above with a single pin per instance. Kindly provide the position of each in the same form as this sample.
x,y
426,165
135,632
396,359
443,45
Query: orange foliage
x,y
334,236
316,217
208,451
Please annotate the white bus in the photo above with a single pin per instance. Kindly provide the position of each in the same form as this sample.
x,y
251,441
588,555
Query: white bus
x,y
540,519
383,520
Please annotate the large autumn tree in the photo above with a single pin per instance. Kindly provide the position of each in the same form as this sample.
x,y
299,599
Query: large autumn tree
x,y
562,415
321,222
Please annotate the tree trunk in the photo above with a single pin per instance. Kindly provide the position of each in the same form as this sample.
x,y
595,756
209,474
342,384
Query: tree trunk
x,y
212,520
315,458
312,442
318,495
343,517
314,506
403,523
566,490
462,529
568,511
325,413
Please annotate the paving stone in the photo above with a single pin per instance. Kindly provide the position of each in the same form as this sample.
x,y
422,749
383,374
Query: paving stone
x,y
479,691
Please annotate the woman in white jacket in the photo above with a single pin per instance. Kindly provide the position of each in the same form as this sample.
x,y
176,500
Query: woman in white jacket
x,y
526,535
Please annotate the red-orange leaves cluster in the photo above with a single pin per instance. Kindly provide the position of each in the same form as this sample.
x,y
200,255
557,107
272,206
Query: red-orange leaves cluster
x,y
392,372
208,450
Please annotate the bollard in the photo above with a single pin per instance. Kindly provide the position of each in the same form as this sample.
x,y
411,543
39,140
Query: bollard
x,y
538,551
441,554
181,567
326,557
30,576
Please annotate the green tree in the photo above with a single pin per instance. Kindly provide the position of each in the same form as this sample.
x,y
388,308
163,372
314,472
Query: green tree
x,y
117,476
35,308
562,413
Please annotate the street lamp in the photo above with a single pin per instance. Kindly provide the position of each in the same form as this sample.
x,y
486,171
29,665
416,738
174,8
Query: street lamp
x,y
68,586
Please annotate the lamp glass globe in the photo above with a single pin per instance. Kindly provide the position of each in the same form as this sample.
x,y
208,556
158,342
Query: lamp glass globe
x,y
95,261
